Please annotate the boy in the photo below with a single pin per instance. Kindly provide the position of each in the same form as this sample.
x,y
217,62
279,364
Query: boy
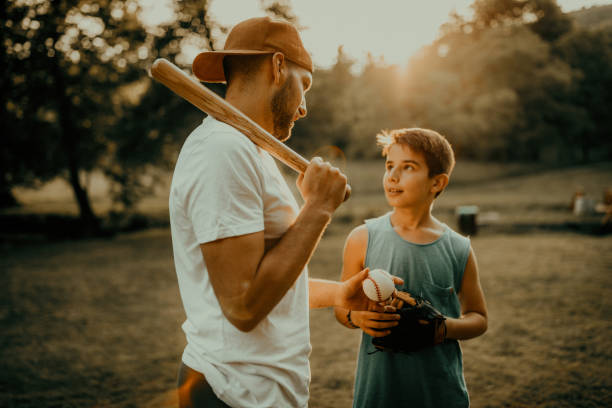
x,y
434,261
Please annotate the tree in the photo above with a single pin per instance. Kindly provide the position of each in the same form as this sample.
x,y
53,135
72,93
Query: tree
x,y
515,82
374,104
151,124
78,98
346,109
497,93
327,104
67,61
149,133
590,54
279,9
544,17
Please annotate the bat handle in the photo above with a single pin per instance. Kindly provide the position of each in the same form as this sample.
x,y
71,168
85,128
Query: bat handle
x,y
301,168
347,192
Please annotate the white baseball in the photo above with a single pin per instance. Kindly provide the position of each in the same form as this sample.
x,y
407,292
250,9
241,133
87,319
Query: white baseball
x,y
379,285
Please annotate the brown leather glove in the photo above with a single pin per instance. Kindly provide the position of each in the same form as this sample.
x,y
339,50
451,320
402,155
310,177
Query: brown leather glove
x,y
421,325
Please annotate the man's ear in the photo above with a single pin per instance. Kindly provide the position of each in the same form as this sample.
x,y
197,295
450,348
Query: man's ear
x,y
279,68
440,182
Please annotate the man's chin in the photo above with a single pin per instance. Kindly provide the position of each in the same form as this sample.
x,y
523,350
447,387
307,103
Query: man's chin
x,y
283,134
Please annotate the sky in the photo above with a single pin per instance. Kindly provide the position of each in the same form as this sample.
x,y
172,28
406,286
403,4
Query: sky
x,y
389,29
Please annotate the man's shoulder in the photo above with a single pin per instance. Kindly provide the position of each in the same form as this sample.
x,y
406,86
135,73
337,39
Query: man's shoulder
x,y
215,137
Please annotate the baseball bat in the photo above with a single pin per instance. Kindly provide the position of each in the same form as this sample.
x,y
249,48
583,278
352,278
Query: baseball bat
x,y
209,102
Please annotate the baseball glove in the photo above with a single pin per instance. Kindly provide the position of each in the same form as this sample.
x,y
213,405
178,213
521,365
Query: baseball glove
x,y
420,326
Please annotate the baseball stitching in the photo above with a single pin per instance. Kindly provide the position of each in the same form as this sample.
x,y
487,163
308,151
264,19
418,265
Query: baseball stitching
x,y
377,289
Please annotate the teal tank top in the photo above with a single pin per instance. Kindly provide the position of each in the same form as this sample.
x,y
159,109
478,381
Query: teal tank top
x,y
432,377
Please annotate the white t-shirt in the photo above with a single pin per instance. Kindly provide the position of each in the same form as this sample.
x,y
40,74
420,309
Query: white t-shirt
x,y
224,186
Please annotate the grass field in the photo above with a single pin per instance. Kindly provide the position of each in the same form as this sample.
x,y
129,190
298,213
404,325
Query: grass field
x,y
96,322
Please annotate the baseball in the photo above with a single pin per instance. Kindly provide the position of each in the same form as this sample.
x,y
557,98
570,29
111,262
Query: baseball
x,y
379,285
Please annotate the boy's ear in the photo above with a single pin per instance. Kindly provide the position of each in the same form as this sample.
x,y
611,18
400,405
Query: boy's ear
x,y
439,183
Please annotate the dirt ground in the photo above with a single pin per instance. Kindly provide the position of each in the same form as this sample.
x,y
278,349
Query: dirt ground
x,y
96,322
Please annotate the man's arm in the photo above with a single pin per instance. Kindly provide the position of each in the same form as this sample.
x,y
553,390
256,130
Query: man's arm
x,y
324,293
248,280
347,294
473,321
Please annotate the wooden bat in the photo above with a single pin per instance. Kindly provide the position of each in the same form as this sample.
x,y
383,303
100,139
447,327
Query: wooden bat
x,y
209,102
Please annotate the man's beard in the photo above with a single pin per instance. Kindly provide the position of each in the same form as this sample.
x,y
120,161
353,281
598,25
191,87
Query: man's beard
x,y
283,119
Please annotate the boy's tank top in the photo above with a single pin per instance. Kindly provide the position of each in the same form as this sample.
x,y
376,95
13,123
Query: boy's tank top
x,y
432,377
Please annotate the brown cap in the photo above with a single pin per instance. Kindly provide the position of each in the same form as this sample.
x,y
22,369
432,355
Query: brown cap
x,y
254,36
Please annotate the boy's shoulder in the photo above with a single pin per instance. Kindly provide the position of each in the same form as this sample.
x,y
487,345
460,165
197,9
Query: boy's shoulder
x,y
358,234
369,223
377,221
454,235
356,244
460,245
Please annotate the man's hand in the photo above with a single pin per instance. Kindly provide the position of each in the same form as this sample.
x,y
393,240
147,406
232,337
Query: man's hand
x,y
322,185
352,296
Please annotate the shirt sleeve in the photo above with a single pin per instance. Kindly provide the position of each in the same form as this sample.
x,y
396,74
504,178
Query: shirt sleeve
x,y
224,197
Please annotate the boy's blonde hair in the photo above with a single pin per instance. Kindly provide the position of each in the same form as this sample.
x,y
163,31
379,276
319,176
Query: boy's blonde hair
x,y
438,153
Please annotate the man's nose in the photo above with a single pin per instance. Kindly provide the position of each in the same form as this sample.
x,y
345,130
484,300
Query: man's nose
x,y
302,111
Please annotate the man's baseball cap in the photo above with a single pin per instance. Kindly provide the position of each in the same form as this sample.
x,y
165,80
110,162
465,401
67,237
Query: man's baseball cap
x,y
254,36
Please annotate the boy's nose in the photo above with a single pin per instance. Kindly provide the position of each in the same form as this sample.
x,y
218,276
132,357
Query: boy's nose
x,y
393,175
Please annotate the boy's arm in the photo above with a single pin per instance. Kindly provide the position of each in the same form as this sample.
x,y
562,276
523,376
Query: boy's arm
x,y
473,321
373,322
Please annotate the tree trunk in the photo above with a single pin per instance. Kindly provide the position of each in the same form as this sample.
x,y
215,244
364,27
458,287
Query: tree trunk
x,y
206,24
86,214
89,220
68,141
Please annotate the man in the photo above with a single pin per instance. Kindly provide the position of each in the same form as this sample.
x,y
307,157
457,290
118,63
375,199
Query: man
x,y
241,244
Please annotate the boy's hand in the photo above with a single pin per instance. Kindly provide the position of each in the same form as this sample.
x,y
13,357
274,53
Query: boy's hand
x,y
421,326
352,296
401,298
375,324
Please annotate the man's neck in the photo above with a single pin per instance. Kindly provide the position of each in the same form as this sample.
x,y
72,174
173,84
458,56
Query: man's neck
x,y
253,105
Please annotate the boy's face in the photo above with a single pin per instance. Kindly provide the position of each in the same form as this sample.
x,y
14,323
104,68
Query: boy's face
x,y
406,180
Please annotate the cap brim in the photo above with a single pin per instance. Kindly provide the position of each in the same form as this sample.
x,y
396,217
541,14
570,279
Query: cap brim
x,y
208,65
